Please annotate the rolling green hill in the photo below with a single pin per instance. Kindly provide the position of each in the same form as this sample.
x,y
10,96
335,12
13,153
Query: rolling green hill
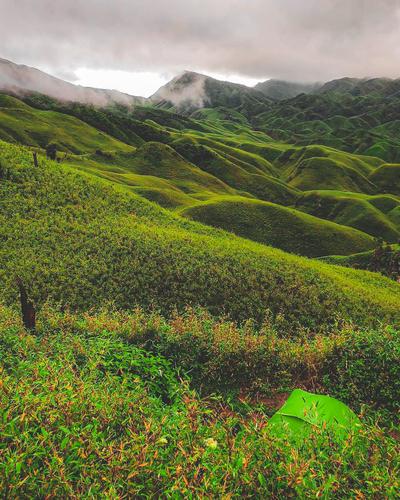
x,y
349,114
371,214
22,124
387,178
281,227
81,242
190,91
215,153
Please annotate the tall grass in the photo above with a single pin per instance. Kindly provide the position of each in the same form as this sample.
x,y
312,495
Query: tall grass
x,y
85,412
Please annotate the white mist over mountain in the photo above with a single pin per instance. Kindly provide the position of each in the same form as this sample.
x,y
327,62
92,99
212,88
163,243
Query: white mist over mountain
x,y
21,79
144,83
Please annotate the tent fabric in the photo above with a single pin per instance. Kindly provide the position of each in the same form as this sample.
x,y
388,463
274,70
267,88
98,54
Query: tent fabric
x,y
304,412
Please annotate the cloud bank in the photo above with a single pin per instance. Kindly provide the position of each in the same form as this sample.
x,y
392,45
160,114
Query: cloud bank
x,y
302,40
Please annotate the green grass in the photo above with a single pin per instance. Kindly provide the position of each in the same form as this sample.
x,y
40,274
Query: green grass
x,y
253,181
370,214
164,345
213,153
86,411
387,178
280,227
82,242
22,124
366,124
385,261
327,173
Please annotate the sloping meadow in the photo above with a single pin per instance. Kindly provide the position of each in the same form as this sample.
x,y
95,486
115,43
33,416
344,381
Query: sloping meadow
x,y
81,242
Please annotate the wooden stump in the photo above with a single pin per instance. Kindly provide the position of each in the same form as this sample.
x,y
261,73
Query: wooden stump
x,y
35,160
27,308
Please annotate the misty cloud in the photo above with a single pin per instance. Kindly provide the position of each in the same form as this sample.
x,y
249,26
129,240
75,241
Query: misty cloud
x,y
20,79
187,88
291,39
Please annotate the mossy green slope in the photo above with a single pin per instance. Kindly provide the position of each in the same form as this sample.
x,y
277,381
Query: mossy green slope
x,y
352,120
82,242
254,182
218,156
280,227
370,214
368,260
327,173
22,124
387,178
162,161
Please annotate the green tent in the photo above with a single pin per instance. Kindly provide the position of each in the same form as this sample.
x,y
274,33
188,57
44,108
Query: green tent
x,y
304,412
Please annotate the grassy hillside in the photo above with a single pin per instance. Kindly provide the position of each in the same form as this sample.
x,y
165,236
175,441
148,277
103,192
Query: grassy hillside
x,y
22,124
281,227
387,178
248,180
352,116
371,214
170,323
384,259
214,153
78,241
190,91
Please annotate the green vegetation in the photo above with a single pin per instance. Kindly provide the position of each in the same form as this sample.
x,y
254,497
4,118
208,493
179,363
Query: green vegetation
x,y
87,411
191,91
371,214
358,116
385,259
171,321
182,161
280,227
23,124
81,242
387,178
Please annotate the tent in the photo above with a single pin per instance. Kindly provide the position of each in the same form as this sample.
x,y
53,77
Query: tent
x,y
304,412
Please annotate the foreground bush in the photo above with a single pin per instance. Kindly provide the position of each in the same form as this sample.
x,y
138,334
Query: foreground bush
x,y
365,367
86,413
359,366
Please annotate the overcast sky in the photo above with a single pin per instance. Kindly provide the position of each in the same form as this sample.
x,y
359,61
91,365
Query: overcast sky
x,y
136,45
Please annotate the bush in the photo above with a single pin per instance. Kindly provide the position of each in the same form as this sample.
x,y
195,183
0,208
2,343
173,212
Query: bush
x,y
365,368
82,415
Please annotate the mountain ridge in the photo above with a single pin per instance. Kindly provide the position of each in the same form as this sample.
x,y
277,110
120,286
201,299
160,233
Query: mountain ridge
x,y
189,90
22,79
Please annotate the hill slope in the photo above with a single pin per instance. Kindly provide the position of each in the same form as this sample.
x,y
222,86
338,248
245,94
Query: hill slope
x,y
78,241
281,227
191,91
371,214
24,124
279,89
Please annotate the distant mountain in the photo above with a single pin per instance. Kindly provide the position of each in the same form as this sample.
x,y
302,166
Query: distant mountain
x,y
21,80
380,87
279,90
191,91
356,115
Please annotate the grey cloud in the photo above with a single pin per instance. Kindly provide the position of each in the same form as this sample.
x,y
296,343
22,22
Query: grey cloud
x,y
293,39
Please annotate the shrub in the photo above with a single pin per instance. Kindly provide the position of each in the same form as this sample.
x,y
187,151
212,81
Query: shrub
x,y
365,368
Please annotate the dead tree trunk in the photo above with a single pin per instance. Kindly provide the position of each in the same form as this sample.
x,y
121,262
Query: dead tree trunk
x,y
35,161
27,308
